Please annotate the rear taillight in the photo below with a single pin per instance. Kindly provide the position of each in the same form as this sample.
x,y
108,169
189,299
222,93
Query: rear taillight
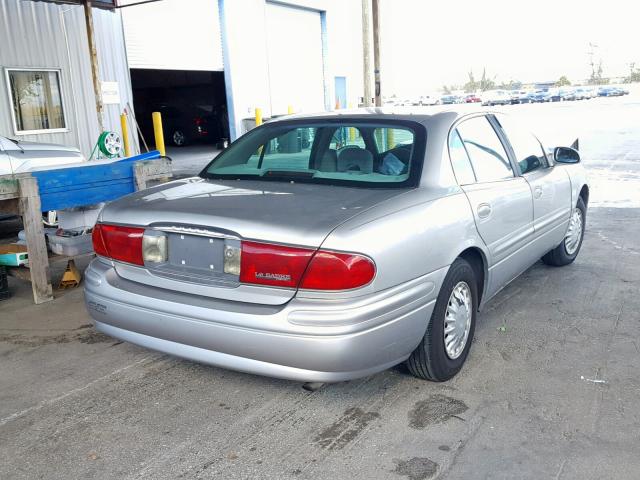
x,y
119,243
276,265
291,267
338,271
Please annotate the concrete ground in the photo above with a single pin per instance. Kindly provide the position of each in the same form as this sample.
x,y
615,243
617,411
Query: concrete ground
x,y
191,159
550,389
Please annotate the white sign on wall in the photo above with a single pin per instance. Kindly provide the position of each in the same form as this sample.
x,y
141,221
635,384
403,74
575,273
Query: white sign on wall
x,y
110,93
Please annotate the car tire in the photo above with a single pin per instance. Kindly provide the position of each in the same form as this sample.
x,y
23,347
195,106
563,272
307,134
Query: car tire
x,y
431,360
178,138
568,250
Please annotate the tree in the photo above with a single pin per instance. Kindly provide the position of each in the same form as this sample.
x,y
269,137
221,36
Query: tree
x,y
563,81
486,83
597,77
471,86
634,74
511,85
446,90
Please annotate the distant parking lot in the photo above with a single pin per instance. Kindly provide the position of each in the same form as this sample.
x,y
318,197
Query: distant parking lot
x,y
550,389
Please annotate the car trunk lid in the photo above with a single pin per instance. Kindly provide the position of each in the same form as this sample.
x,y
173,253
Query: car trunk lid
x,y
201,216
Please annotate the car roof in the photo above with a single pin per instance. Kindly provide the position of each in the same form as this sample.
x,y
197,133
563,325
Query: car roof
x,y
416,114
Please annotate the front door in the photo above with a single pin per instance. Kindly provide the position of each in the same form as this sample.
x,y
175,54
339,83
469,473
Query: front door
x,y
501,201
550,185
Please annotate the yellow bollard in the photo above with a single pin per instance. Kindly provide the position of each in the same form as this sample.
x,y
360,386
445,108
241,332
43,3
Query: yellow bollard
x,y
289,109
258,117
391,141
125,135
352,134
158,134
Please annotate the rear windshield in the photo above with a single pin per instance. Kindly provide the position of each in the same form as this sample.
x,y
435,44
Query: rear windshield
x,y
357,153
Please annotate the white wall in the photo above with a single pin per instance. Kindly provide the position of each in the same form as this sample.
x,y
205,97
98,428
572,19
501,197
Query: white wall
x,y
246,59
173,35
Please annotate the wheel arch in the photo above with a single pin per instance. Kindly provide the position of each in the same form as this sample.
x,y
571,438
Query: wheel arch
x,y
478,261
584,194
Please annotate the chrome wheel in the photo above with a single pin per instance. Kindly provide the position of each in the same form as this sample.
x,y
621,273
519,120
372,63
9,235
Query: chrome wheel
x,y
574,232
457,320
178,138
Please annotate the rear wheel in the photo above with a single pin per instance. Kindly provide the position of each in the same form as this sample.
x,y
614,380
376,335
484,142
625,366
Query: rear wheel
x,y
446,343
568,250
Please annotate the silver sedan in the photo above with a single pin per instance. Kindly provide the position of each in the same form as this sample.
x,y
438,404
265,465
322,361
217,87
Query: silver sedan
x,y
330,247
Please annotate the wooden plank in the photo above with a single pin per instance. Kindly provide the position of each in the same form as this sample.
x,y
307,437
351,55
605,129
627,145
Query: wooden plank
x,y
34,232
87,196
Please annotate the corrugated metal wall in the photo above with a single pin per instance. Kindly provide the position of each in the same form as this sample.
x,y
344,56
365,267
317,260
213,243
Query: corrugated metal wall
x,y
32,34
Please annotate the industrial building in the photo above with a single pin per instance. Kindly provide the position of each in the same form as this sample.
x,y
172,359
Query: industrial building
x,y
46,83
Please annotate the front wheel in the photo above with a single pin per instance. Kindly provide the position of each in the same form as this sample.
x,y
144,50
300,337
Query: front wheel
x,y
178,138
446,343
568,250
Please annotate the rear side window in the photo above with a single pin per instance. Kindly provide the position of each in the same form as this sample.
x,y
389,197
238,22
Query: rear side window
x,y
460,160
486,152
526,147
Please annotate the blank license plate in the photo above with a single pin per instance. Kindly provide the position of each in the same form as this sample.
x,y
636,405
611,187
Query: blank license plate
x,y
196,254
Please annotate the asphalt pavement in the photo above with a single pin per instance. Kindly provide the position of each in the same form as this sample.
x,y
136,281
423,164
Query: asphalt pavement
x,y
550,389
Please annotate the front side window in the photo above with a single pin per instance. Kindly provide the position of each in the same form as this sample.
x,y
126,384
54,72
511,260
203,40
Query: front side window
x,y
486,152
336,153
36,100
526,147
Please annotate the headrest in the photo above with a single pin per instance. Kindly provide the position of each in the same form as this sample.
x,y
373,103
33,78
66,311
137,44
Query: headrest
x,y
355,160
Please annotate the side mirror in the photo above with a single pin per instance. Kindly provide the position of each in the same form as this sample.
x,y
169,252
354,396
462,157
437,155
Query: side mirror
x,y
566,155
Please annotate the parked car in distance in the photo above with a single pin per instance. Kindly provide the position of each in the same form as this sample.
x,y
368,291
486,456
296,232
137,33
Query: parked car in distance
x,y
472,98
612,91
429,100
567,94
540,96
450,99
17,156
293,253
581,94
519,96
496,97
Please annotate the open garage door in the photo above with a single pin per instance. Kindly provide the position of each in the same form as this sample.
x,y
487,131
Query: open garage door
x,y
294,48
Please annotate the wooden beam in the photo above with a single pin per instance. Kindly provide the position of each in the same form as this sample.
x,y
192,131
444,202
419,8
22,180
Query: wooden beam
x,y
93,57
34,232
375,10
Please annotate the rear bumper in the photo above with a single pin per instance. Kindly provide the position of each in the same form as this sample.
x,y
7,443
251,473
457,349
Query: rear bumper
x,y
320,340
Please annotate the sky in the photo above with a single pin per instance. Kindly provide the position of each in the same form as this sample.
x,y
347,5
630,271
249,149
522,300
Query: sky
x,y
428,43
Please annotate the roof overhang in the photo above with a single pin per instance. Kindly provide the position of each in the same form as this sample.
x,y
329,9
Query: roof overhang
x,y
104,4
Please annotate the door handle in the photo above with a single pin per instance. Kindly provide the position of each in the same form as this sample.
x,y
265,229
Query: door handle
x,y
484,210
537,192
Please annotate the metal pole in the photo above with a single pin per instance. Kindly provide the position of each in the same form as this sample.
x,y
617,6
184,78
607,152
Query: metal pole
x,y
366,57
158,133
376,50
125,135
95,74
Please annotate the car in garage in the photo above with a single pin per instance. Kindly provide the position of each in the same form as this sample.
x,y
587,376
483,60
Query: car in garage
x,y
184,124
17,156
373,242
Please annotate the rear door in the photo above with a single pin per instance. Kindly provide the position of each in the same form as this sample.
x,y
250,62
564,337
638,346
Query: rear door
x,y
550,185
501,201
